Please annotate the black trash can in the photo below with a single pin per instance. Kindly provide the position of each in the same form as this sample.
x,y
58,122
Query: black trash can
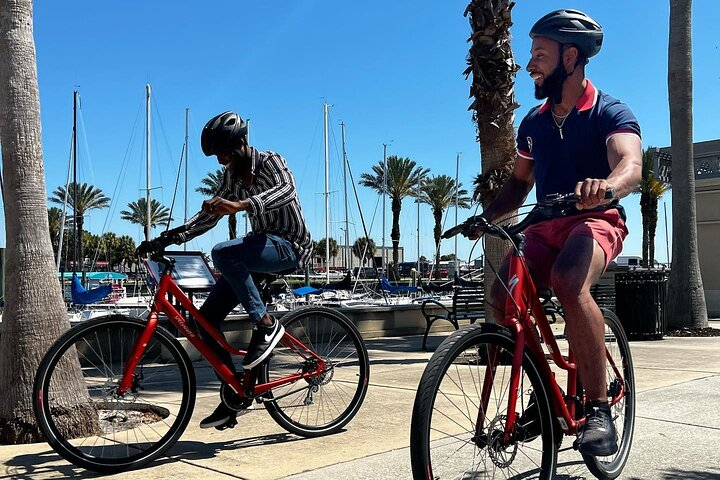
x,y
640,303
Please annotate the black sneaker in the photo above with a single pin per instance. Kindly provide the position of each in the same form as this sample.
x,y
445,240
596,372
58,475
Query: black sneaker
x,y
597,437
264,338
221,418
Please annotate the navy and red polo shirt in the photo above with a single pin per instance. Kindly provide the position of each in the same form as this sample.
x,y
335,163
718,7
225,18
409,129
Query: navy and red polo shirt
x,y
560,161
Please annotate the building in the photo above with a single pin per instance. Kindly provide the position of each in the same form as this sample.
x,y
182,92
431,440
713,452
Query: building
x,y
347,259
707,204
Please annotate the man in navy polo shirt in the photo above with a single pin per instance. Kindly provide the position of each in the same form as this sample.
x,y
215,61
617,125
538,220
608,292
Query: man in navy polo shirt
x,y
584,141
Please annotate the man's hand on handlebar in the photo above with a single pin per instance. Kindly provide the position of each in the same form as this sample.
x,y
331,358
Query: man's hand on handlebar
x,y
593,192
151,247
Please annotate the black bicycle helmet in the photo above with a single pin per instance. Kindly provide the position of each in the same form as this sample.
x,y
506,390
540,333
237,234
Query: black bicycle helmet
x,y
570,26
223,133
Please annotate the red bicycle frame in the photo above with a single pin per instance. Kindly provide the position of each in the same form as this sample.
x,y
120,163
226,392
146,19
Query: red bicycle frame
x,y
161,304
524,315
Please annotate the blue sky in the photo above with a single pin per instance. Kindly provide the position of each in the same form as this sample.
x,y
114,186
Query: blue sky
x,y
392,71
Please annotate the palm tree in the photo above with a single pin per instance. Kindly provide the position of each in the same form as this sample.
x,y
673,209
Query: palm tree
x,y
137,213
651,189
212,184
34,314
439,192
364,248
402,177
686,305
88,198
493,68
320,248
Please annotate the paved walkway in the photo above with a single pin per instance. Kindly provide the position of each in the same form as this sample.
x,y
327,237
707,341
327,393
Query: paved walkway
x,y
677,433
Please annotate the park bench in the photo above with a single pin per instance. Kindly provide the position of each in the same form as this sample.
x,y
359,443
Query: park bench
x,y
468,303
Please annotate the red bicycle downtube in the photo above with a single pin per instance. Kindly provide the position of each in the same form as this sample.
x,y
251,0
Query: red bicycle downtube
x,y
492,363
136,354
515,373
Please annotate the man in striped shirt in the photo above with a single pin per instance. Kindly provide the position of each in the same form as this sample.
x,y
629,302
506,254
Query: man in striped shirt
x,y
260,184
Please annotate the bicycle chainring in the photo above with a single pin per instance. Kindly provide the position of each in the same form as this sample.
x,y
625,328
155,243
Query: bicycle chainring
x,y
232,400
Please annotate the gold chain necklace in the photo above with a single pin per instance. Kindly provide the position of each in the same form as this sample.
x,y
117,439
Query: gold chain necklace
x,y
559,124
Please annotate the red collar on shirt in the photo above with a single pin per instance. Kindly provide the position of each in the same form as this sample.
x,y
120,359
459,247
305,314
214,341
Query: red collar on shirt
x,y
585,102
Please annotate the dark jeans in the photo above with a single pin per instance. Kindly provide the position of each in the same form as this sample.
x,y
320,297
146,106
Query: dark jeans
x,y
263,253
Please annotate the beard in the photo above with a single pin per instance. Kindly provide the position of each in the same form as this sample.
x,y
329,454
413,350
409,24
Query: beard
x,y
552,85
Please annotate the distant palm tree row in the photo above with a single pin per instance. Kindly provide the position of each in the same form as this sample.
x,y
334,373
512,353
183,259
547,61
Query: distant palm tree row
x,y
403,178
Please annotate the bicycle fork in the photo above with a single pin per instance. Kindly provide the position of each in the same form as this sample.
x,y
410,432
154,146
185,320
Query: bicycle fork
x,y
515,372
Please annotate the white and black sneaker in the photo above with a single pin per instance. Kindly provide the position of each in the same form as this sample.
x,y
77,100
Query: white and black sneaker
x,y
263,340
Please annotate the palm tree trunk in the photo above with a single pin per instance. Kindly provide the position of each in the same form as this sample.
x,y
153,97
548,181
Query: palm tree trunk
x,y
493,68
686,306
34,313
395,235
437,232
652,226
645,213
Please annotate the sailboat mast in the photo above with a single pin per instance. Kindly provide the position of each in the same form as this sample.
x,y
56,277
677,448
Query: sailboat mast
x,y
327,195
418,229
187,121
384,192
457,191
346,255
247,138
75,185
147,150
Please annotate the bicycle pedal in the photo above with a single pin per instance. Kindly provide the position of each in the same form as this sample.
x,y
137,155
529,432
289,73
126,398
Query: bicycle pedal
x,y
229,424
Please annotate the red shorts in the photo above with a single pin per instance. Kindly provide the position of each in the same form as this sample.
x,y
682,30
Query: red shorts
x,y
545,240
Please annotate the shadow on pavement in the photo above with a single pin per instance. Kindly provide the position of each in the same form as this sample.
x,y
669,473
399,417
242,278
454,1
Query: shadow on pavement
x,y
191,450
28,467
675,473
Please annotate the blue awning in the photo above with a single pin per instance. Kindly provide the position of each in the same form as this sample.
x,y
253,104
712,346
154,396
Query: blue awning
x,y
99,275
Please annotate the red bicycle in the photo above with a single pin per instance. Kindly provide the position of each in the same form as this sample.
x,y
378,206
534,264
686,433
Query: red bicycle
x,y
489,405
115,392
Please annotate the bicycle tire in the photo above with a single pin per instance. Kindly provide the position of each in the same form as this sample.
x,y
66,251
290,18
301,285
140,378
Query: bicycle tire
x,y
341,389
465,347
100,347
624,411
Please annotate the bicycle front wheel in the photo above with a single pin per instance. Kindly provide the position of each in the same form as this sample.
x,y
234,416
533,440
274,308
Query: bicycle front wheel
x,y
461,411
324,403
623,412
82,416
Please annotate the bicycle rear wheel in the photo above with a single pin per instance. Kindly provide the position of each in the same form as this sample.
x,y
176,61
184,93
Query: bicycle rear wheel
x,y
91,426
623,412
324,403
444,440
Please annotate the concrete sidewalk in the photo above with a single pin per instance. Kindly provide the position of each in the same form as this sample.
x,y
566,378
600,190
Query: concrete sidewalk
x,y
677,431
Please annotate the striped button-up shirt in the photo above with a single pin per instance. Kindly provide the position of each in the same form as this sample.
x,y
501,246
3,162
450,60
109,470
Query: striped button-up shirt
x,y
274,204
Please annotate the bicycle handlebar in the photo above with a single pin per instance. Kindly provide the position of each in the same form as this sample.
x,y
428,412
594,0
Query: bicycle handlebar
x,y
554,205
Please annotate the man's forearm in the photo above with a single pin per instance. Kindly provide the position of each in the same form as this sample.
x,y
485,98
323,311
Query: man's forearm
x,y
511,196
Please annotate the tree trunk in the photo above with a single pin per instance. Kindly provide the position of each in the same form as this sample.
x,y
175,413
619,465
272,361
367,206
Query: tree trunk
x,y
34,313
493,69
652,226
437,232
645,213
395,233
686,306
